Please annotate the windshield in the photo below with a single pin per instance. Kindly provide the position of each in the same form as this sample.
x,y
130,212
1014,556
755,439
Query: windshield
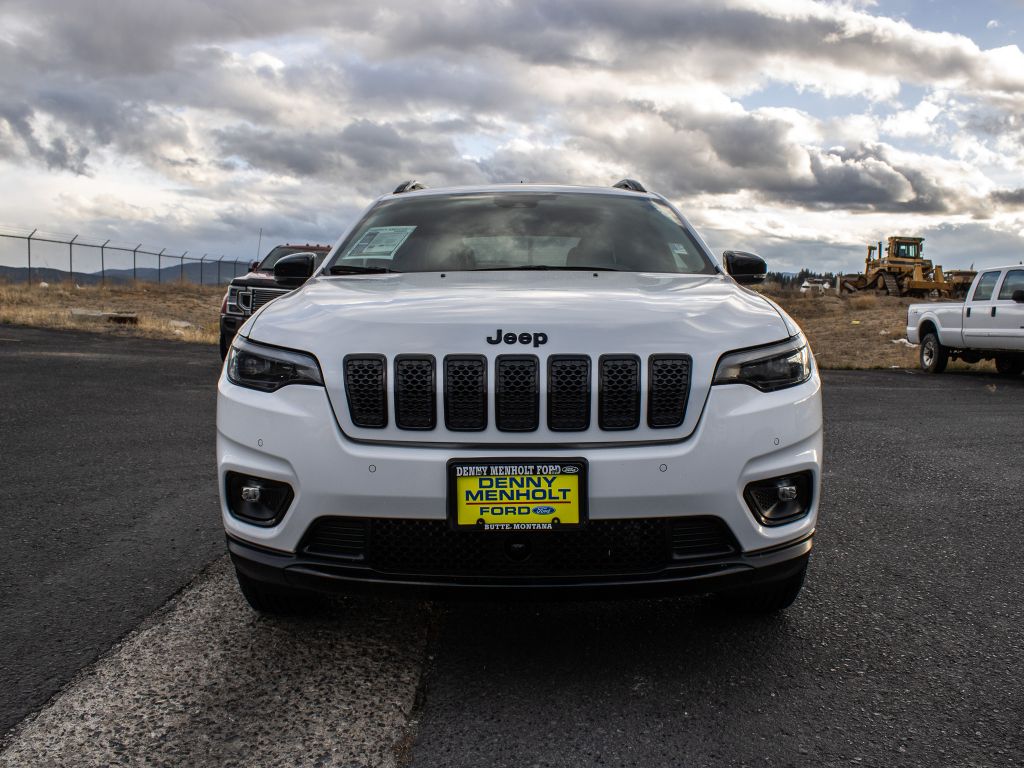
x,y
279,252
521,230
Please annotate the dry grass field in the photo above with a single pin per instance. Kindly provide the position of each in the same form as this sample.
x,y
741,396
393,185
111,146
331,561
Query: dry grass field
x,y
855,331
161,309
845,331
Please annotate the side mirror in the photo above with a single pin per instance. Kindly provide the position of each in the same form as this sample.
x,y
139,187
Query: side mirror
x,y
1018,296
745,267
253,266
293,270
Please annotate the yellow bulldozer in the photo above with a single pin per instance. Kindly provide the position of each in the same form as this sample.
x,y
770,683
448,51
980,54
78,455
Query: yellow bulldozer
x,y
901,270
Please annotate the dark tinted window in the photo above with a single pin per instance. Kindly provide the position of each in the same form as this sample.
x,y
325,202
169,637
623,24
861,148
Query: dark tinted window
x,y
1014,281
907,250
508,230
983,291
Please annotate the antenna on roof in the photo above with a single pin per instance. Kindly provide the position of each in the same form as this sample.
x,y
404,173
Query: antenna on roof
x,y
408,186
631,185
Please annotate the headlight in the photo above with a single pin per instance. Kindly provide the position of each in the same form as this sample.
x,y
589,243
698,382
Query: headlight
x,y
767,368
237,301
269,368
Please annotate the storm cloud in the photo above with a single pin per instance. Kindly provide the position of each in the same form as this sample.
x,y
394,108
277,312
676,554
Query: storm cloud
x,y
763,121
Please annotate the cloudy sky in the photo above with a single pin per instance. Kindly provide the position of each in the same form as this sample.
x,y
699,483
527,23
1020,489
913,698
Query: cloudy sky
x,y
795,128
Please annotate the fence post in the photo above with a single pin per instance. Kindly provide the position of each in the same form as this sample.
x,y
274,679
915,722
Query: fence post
x,y
181,272
30,257
159,278
135,253
202,261
71,259
103,263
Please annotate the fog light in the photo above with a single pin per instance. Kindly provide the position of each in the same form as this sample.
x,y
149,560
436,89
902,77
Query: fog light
x,y
250,493
257,500
780,500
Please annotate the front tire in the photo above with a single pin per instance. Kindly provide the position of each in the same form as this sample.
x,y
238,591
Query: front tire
x,y
273,600
765,599
1009,365
225,344
933,355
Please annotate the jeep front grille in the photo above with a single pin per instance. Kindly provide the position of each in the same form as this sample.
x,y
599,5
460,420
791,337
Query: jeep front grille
x,y
623,389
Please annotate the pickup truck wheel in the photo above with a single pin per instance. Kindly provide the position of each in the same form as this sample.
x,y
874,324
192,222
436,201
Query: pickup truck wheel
x,y
225,343
934,356
765,599
273,600
1009,365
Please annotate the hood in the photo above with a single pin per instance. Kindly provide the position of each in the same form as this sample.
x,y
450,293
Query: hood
x,y
556,312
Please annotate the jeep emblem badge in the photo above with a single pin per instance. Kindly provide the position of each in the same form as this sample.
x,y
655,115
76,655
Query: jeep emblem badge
x,y
536,339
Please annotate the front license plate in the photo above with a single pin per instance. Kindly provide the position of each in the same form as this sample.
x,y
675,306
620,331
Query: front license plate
x,y
509,495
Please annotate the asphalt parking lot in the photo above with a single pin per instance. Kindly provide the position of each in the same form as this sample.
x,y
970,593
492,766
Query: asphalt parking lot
x,y
124,641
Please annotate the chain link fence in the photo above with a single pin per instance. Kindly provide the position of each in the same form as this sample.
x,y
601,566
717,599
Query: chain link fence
x,y
50,257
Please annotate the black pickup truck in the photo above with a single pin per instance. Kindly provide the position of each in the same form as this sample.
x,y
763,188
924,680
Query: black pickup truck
x,y
251,291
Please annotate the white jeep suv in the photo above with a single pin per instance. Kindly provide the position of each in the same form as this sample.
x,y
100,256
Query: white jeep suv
x,y
520,388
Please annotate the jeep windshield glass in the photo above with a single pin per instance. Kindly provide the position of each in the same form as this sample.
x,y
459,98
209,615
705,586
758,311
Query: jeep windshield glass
x,y
523,230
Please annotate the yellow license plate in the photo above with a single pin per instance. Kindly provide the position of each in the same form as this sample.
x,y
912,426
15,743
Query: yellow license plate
x,y
500,495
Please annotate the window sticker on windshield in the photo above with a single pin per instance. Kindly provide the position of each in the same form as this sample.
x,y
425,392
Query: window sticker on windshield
x,y
379,243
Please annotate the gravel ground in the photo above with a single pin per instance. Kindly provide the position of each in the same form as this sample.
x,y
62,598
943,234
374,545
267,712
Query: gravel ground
x,y
207,682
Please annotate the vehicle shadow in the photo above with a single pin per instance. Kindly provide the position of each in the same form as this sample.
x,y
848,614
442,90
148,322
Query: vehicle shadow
x,y
602,680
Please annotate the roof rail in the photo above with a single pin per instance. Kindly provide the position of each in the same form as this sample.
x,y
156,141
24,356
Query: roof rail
x,y
630,184
408,186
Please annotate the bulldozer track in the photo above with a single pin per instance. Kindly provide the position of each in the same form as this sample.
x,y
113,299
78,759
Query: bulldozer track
x,y
892,286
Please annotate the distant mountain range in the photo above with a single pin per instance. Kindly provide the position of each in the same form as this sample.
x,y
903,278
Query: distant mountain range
x,y
189,274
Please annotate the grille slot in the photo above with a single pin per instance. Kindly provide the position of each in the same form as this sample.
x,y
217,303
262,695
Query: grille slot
x,y
619,392
432,547
261,296
339,538
465,393
415,392
568,393
669,377
365,387
516,393
699,537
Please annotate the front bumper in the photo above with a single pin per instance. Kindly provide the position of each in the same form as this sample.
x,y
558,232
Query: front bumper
x,y
229,325
743,435
698,576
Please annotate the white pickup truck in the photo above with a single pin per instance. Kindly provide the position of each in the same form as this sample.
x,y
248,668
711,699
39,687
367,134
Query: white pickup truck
x,y
988,326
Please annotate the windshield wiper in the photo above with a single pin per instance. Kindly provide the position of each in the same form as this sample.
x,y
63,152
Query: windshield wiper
x,y
546,267
352,269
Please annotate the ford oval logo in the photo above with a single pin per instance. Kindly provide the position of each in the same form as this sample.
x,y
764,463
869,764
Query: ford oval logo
x,y
543,510
570,470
